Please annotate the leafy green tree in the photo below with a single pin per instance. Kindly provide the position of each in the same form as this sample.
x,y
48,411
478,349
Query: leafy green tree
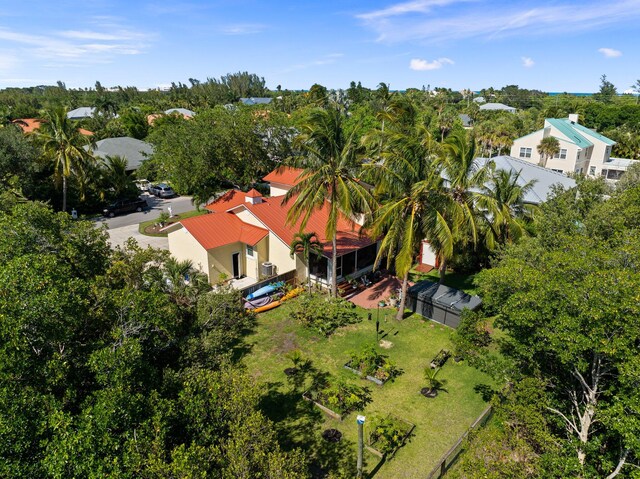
x,y
18,161
329,179
116,181
565,307
607,91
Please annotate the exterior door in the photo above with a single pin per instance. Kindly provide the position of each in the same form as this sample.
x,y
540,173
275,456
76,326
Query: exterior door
x,y
235,262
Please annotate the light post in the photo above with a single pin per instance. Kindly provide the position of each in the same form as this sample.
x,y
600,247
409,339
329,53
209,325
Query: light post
x,y
360,420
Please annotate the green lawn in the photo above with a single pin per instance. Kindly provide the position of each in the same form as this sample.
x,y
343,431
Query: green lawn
x,y
439,422
142,226
462,281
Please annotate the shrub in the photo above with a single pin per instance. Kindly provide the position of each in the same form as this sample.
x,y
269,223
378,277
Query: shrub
x,y
387,434
371,363
323,314
340,396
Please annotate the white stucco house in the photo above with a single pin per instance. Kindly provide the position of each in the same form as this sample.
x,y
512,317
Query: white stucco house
x,y
582,150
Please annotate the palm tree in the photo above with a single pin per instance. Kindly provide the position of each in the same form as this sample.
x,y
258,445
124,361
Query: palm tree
x,y
408,185
456,221
506,213
63,145
306,244
330,165
114,172
548,147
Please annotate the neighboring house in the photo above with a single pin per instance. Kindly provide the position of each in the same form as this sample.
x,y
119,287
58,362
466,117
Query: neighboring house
x,y
479,99
256,101
614,168
466,120
181,111
81,113
133,150
247,235
497,107
282,179
186,114
581,150
544,182
29,125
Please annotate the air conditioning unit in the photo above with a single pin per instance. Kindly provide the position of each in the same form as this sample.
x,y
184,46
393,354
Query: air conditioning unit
x,y
267,269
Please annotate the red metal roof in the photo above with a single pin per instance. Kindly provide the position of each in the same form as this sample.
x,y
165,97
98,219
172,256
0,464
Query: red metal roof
x,y
284,175
274,215
253,193
227,201
29,125
215,230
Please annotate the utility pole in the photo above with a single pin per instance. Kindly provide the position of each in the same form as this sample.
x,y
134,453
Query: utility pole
x,y
360,420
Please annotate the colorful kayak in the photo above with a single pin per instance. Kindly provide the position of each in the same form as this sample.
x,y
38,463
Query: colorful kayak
x,y
270,288
292,294
269,306
256,303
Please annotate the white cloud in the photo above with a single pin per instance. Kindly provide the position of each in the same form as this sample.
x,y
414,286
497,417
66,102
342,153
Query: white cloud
x,y
243,29
416,6
610,52
79,46
425,65
431,20
527,62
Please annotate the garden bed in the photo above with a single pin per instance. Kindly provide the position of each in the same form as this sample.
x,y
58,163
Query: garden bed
x,y
329,412
388,435
373,379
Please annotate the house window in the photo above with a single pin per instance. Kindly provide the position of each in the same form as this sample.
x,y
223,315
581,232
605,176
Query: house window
x,y
525,152
318,266
250,251
578,155
366,256
592,170
557,171
562,154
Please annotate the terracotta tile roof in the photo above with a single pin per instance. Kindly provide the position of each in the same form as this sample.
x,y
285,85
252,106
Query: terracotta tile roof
x,y
273,214
284,175
215,230
227,201
29,125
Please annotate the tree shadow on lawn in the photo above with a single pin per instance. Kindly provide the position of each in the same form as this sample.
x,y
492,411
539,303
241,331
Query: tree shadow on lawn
x,y
299,424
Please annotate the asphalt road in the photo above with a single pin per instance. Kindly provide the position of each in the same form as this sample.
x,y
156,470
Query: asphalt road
x,y
179,204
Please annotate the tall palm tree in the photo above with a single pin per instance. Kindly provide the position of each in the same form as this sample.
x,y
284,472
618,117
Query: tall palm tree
x,y
62,144
549,146
456,220
409,185
306,244
331,163
506,214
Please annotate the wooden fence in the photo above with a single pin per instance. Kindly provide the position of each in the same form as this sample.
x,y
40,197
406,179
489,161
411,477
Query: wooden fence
x,y
289,277
452,454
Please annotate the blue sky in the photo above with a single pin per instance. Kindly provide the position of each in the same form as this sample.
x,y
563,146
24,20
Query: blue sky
x,y
556,45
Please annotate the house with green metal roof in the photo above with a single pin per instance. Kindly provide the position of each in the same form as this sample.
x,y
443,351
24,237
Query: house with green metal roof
x,y
582,150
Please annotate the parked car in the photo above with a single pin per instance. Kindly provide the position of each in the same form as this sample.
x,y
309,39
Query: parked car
x,y
162,190
143,185
125,206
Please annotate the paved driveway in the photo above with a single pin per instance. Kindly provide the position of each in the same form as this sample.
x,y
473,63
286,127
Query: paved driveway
x,y
118,236
123,227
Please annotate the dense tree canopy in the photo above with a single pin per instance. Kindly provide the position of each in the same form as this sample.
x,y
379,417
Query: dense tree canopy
x,y
108,368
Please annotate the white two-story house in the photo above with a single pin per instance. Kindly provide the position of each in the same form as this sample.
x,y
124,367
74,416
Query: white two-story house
x,y
581,150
